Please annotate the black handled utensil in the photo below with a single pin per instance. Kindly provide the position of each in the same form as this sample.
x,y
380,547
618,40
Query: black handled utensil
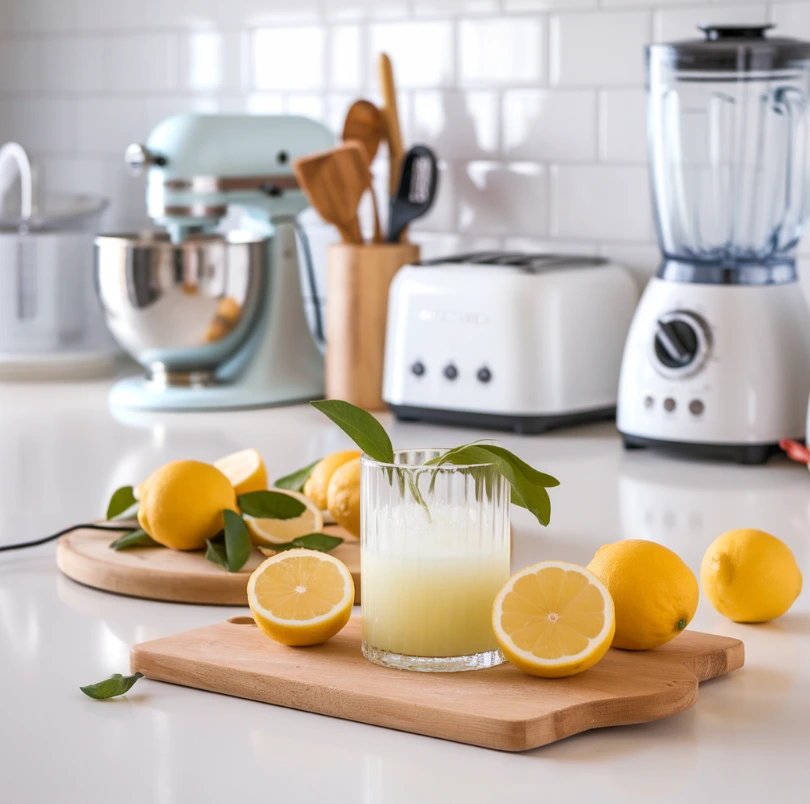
x,y
416,191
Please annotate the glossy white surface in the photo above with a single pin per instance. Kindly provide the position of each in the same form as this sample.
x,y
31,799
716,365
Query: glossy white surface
x,y
61,454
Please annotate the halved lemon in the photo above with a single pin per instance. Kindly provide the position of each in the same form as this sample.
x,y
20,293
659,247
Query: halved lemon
x,y
245,470
301,597
268,532
554,619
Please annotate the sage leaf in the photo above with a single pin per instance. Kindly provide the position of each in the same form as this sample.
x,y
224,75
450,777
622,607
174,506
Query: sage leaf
x,y
122,500
296,480
111,687
135,538
322,542
215,550
360,426
237,541
270,505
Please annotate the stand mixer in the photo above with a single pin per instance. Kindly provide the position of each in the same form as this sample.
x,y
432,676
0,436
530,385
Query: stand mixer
x,y
717,361
217,320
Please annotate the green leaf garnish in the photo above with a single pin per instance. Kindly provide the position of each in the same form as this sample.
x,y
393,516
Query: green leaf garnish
x,y
270,505
111,687
360,426
321,542
215,550
135,538
122,500
296,480
237,541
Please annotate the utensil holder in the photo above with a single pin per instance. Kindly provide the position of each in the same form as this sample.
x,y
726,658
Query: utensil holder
x,y
358,279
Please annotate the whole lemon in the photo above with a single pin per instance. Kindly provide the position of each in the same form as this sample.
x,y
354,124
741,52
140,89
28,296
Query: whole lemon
x,y
317,485
750,576
655,593
344,496
182,503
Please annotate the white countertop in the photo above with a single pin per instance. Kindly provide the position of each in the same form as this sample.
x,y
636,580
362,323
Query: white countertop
x,y
61,455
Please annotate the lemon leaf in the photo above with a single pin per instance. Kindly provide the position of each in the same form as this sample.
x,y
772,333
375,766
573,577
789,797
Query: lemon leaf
x,y
322,542
296,480
136,538
270,505
111,687
237,541
215,550
360,426
122,500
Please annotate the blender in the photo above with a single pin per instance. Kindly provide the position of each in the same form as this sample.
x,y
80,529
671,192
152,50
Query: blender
x,y
717,360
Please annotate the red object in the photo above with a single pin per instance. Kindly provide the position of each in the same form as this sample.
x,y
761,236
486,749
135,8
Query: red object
x,y
795,451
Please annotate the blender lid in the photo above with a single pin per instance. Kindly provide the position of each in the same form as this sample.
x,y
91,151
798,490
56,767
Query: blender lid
x,y
733,48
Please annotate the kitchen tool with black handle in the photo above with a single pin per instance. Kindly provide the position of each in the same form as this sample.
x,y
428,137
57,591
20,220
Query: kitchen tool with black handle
x,y
416,191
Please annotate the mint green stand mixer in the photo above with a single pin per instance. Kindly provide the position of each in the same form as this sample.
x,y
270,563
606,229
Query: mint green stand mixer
x,y
217,320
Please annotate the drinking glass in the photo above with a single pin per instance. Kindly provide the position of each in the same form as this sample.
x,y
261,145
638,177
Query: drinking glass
x,y
435,544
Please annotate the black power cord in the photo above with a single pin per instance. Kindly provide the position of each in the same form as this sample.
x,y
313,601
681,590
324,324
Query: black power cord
x,y
46,539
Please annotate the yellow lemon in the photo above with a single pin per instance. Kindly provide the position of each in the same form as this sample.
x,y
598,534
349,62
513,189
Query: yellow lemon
x,y
344,496
301,597
245,470
655,593
267,532
553,619
181,504
750,576
317,485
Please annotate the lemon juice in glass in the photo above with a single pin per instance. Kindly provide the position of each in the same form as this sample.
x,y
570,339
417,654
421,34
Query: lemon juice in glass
x,y
435,544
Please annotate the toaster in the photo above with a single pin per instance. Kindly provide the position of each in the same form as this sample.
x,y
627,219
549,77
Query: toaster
x,y
509,341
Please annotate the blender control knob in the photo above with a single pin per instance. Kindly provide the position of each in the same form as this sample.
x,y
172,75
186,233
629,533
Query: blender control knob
x,y
681,343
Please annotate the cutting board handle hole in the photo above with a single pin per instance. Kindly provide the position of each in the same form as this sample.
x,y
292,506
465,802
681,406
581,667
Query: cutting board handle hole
x,y
242,621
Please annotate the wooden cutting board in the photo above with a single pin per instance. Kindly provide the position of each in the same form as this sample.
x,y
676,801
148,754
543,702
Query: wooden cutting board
x,y
160,574
500,708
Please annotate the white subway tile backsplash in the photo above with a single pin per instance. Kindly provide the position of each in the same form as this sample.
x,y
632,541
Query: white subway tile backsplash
x,y
306,104
792,19
103,15
362,9
74,64
40,15
599,49
345,57
106,125
71,174
265,103
549,125
672,24
22,65
461,125
601,202
623,125
42,124
544,5
142,62
443,7
212,61
510,50
288,58
501,198
254,13
421,52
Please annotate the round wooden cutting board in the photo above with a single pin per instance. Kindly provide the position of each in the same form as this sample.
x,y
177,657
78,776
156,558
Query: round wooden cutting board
x,y
157,573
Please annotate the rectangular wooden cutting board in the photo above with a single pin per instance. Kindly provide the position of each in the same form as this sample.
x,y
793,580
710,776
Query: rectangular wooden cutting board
x,y
500,708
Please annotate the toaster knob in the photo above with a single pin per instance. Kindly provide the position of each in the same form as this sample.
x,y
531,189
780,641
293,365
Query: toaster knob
x,y
484,374
418,368
450,371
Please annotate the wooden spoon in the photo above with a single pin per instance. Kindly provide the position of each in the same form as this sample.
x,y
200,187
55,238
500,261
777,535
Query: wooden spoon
x,y
391,117
365,124
334,182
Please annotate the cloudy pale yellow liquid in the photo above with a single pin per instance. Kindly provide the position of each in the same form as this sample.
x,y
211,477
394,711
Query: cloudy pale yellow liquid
x,y
434,602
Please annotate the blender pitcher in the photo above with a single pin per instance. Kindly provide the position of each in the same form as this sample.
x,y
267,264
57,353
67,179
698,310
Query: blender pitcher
x,y
717,361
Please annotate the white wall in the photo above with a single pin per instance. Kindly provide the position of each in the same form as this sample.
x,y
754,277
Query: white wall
x,y
535,106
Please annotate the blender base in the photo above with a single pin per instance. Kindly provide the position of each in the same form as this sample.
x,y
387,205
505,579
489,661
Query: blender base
x,y
747,454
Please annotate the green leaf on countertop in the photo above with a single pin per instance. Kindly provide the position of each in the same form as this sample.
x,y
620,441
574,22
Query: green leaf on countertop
x,y
135,538
121,501
270,505
296,480
111,687
215,550
237,541
360,426
322,542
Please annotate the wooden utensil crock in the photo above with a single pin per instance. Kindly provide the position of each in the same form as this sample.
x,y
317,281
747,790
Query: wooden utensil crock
x,y
358,279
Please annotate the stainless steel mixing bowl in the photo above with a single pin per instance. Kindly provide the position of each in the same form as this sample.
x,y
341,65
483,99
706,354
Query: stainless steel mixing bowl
x,y
182,310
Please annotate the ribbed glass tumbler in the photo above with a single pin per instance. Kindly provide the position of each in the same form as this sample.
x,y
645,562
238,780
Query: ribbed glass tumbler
x,y
435,544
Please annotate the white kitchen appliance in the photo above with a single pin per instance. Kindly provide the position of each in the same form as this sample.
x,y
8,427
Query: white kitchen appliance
x,y
507,341
717,363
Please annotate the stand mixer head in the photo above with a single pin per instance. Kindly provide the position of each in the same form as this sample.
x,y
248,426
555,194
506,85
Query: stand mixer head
x,y
216,320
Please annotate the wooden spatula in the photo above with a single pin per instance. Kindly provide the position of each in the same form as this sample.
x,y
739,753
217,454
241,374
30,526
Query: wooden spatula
x,y
365,124
334,182
391,116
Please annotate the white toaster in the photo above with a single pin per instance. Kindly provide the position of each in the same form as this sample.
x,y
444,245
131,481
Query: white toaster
x,y
521,342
